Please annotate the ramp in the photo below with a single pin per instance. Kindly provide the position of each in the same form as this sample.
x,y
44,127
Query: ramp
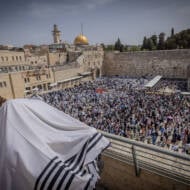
x,y
152,82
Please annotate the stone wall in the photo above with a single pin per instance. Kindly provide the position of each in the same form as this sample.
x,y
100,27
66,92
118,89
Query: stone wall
x,y
17,83
64,74
168,63
57,58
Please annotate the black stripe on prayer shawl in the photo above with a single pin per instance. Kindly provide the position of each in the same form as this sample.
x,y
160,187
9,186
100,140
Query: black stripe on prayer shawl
x,y
89,148
94,143
54,179
74,161
44,170
75,172
77,162
95,166
88,183
61,168
84,172
80,167
93,137
71,159
48,175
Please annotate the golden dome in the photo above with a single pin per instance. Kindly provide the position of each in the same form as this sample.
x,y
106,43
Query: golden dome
x,y
81,40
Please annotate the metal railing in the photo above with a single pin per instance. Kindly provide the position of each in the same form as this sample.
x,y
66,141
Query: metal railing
x,y
154,159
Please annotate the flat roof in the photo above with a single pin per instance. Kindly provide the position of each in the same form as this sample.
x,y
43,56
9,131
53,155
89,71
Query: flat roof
x,y
53,84
86,73
69,79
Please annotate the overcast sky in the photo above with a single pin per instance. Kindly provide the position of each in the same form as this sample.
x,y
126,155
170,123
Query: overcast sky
x,y
31,21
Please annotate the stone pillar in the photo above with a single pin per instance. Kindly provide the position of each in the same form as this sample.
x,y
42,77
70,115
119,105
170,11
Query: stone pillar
x,y
188,84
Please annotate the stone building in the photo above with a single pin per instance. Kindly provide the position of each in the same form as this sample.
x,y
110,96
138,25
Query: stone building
x,y
12,60
65,65
62,65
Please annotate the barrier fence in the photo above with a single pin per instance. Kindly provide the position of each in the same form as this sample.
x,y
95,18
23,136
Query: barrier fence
x,y
173,165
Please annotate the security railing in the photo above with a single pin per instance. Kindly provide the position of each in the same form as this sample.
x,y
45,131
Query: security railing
x,y
157,160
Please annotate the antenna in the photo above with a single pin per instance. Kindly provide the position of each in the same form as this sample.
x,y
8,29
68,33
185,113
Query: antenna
x,y
81,28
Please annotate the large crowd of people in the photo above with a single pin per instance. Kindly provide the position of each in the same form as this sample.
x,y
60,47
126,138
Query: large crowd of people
x,y
124,107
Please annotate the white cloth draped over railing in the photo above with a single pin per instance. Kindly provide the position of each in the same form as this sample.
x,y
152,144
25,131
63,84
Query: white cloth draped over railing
x,y
42,148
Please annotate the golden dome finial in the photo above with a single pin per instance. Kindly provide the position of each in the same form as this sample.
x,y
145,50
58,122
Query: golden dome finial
x,y
81,39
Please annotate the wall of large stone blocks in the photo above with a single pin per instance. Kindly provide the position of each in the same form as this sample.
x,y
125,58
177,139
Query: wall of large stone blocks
x,y
63,74
168,63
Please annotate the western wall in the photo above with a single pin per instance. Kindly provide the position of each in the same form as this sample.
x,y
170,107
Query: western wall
x,y
168,63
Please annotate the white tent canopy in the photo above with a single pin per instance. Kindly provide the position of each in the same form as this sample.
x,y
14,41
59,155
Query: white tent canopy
x,y
152,82
44,148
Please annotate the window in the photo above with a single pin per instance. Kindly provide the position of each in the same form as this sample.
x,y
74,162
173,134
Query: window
x,y
44,86
27,88
26,80
4,84
13,58
1,85
48,76
49,86
38,77
20,58
17,58
7,58
2,58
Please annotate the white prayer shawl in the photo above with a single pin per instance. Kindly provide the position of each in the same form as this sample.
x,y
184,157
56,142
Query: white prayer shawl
x,y
42,148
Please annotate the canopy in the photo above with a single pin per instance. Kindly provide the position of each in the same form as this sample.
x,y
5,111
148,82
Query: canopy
x,y
44,148
152,82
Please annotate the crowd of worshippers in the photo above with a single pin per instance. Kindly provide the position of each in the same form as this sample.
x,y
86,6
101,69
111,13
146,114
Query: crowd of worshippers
x,y
123,107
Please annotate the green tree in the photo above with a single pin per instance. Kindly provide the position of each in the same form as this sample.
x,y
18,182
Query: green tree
x,y
154,40
161,42
134,48
171,43
172,32
150,44
121,48
126,48
117,45
109,47
145,44
103,46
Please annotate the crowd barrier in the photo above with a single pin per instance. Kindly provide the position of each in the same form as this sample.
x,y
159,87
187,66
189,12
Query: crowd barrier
x,y
154,159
